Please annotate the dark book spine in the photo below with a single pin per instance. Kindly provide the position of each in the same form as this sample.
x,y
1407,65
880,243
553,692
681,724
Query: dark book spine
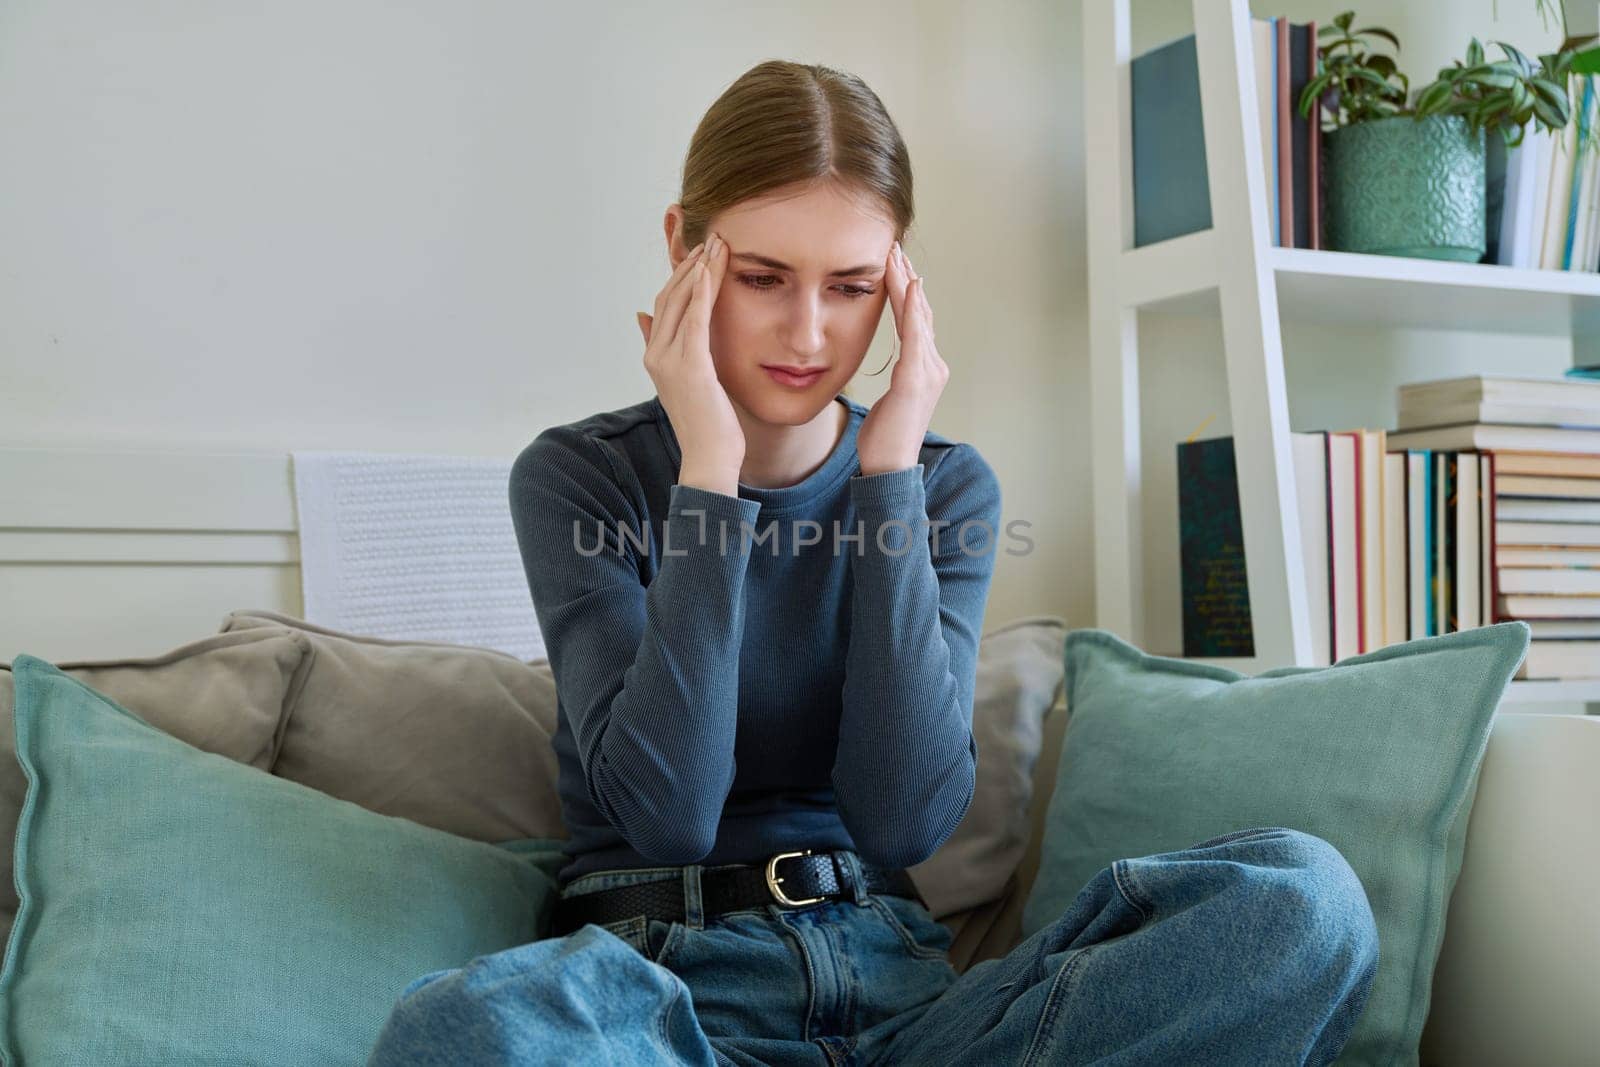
x,y
1451,535
1315,169
1285,161
1215,587
1300,67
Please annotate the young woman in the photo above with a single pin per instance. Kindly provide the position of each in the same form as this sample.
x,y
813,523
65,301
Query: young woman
x,y
762,603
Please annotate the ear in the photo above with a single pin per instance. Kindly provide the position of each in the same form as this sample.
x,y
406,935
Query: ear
x,y
673,226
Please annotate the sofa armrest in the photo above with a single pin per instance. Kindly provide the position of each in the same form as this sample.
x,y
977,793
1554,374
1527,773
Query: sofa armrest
x,y
1517,980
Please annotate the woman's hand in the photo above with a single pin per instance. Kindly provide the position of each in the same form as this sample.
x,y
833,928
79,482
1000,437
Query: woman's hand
x,y
678,357
890,437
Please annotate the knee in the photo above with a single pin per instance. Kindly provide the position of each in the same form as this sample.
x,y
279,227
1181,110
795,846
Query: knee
x,y
1311,892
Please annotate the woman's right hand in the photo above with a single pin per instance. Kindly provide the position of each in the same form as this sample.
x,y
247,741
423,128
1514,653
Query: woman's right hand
x,y
677,356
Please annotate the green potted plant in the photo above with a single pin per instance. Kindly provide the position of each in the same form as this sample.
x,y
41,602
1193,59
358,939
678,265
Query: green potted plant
x,y
1412,179
1500,99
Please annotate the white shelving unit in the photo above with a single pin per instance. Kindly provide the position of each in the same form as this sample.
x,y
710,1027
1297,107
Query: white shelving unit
x,y
1236,267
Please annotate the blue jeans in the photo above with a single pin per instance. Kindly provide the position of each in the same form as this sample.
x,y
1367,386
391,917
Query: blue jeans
x,y
1257,947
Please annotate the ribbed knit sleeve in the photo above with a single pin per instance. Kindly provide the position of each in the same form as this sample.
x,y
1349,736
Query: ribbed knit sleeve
x,y
906,766
648,675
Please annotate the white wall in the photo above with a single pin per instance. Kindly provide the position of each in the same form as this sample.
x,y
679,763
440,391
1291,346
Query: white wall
x,y
427,226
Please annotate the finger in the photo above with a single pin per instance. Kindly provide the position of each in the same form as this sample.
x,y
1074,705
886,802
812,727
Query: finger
x,y
896,277
926,313
693,325
921,310
717,266
681,271
677,299
644,325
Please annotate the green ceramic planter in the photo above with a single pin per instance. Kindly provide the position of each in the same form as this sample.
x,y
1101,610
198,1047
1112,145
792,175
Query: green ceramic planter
x,y
1407,187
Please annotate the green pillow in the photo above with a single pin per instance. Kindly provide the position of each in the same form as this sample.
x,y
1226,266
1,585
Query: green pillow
x,y
178,907
1377,754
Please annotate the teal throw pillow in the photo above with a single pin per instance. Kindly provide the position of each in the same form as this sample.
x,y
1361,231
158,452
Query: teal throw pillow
x,y
1378,755
181,908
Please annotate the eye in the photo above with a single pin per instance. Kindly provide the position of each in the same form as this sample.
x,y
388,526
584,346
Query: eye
x,y
768,282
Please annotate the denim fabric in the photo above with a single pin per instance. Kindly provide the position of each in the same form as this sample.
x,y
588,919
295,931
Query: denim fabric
x,y
1257,947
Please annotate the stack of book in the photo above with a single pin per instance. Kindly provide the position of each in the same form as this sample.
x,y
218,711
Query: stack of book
x,y
1541,437
1483,506
1171,190
1551,214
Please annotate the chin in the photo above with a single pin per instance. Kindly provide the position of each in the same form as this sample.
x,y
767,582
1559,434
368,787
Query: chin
x,y
774,404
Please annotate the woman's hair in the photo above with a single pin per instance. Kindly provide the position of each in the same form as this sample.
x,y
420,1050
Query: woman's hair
x,y
784,123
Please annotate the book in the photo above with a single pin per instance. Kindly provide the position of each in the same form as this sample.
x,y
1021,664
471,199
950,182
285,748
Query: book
x,y
1212,572
1395,602
1586,254
1545,556
1547,463
1344,544
1536,485
1264,40
1567,581
1369,508
1518,199
1444,473
1571,534
1311,481
1488,580
1548,147
1468,566
1283,66
1494,437
1518,606
1419,543
1499,400
1547,628
1542,509
1558,659
1171,193
1314,139
1171,186
1553,242
1573,234
1214,577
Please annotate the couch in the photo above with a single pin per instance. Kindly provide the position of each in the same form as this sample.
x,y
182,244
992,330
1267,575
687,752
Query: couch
x,y
1516,978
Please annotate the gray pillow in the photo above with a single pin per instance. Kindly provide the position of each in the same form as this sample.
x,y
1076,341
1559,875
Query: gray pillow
x,y
459,738
450,736
1020,674
226,694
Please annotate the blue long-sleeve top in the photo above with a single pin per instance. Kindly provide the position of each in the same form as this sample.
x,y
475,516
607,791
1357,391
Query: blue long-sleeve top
x,y
727,690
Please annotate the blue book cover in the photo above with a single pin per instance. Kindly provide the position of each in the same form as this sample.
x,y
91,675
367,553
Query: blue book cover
x,y
1171,194
1171,190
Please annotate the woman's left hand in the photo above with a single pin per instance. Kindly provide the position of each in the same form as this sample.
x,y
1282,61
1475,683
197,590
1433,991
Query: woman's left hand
x,y
890,437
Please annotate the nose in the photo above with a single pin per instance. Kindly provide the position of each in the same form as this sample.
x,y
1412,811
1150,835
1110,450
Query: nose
x,y
806,335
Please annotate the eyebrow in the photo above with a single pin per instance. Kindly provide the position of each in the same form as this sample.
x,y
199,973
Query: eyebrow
x,y
778,264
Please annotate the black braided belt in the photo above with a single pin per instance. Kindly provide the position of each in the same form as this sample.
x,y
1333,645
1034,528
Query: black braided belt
x,y
789,879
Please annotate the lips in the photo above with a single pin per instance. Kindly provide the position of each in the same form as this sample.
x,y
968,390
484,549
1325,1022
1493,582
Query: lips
x,y
798,376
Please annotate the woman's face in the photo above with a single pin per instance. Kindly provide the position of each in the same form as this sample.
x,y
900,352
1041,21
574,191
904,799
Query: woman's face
x,y
804,288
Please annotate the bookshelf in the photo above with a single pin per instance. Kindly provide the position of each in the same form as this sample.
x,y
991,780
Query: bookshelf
x,y
1236,268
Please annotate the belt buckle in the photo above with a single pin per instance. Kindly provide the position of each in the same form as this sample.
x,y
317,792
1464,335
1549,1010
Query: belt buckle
x,y
773,879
